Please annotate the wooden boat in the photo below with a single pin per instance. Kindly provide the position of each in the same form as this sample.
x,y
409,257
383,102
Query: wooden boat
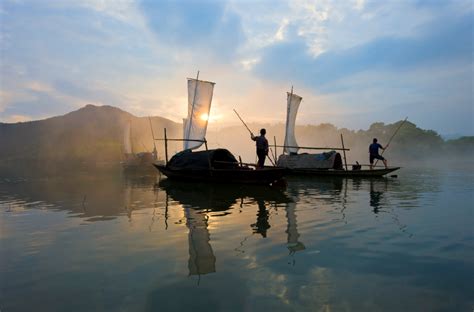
x,y
325,164
131,160
342,172
217,166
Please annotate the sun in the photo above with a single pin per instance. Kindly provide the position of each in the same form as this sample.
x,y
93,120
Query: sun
x,y
204,117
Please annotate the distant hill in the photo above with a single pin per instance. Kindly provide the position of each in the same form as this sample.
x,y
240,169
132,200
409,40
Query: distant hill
x,y
411,145
92,133
96,134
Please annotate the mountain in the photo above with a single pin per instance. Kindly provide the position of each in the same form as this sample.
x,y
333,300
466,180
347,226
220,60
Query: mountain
x,y
90,134
95,134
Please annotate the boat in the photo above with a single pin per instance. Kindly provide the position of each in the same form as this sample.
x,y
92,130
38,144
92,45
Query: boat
x,y
324,164
378,172
217,166
134,161
209,165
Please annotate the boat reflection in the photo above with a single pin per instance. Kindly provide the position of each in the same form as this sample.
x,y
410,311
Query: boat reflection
x,y
200,203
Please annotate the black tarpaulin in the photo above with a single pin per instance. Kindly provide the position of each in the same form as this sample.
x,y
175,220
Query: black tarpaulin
x,y
219,158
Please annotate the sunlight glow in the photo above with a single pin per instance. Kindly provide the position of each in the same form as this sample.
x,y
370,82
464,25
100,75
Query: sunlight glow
x,y
204,117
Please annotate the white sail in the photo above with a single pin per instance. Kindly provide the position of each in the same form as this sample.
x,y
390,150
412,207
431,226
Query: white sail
x,y
127,143
292,109
199,108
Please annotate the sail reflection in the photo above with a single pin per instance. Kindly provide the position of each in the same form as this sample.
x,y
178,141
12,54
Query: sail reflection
x,y
201,256
293,243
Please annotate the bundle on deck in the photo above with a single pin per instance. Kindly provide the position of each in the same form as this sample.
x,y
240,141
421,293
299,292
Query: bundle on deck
x,y
329,160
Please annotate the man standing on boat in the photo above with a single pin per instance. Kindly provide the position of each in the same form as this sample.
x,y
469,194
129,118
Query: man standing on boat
x,y
262,147
374,153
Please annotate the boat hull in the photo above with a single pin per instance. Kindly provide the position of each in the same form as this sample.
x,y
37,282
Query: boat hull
x,y
263,176
342,173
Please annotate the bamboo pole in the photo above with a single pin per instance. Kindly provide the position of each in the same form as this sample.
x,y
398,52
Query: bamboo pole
x,y
271,153
243,122
391,138
315,148
152,134
287,118
344,150
166,148
271,161
181,140
208,157
275,145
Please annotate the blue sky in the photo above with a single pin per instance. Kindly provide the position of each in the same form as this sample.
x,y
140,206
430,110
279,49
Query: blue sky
x,y
353,62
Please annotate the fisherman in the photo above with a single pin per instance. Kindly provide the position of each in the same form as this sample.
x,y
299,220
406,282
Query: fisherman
x,y
374,153
262,147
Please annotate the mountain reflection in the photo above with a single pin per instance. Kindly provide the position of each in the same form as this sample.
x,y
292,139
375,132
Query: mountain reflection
x,y
88,193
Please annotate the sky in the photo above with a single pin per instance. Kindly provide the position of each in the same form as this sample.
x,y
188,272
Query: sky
x,y
353,62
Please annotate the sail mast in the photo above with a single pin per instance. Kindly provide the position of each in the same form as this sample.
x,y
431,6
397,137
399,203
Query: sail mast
x,y
288,119
152,134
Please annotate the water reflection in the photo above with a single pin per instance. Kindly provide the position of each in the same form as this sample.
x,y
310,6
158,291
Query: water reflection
x,y
200,202
201,256
377,189
157,238
93,196
293,243
262,224
381,203
196,202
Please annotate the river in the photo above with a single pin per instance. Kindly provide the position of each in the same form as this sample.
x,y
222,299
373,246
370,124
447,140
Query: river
x,y
103,240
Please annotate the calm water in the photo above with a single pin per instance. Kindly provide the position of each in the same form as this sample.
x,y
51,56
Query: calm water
x,y
105,241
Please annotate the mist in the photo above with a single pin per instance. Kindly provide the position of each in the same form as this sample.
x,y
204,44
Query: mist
x,y
95,134
411,146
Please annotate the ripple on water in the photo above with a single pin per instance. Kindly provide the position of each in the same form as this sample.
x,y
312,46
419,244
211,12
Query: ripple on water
x,y
377,244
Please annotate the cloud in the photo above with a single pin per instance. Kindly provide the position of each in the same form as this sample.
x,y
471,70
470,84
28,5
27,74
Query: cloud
x,y
122,10
206,28
355,56
40,105
430,70
17,118
450,42
38,86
